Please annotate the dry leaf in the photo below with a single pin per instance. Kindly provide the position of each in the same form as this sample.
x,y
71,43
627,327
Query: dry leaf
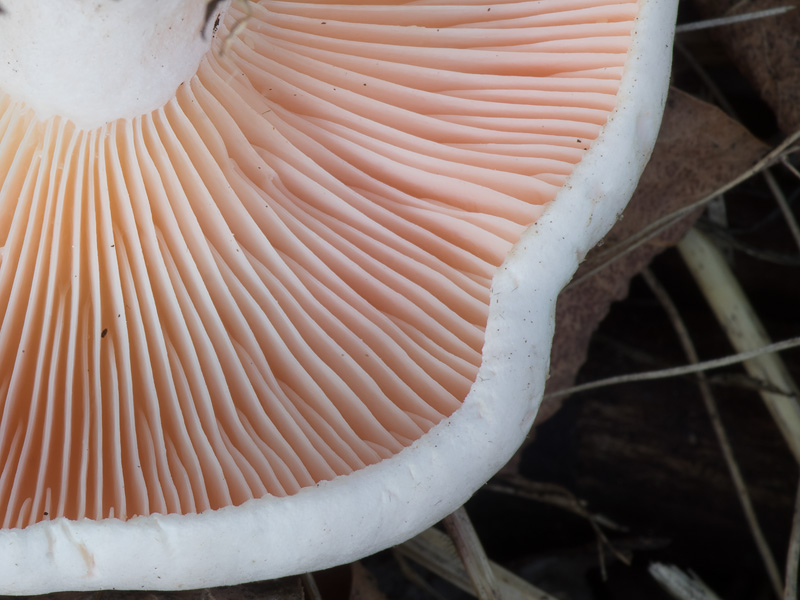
x,y
699,148
766,50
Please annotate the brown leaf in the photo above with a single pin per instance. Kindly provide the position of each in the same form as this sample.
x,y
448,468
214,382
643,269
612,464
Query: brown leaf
x,y
698,149
766,50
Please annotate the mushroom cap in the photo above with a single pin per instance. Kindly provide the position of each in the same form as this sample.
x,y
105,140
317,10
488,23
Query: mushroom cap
x,y
155,309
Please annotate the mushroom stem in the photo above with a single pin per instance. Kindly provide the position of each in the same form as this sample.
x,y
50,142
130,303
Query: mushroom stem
x,y
95,62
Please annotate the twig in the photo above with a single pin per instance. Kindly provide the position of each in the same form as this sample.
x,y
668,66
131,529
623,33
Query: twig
x,y
470,549
601,556
679,585
723,21
793,554
556,495
699,367
792,169
707,80
780,198
724,237
744,330
719,429
310,586
743,381
433,550
644,235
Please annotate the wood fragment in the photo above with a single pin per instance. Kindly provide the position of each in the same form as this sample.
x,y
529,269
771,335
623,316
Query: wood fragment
x,y
470,549
433,550
744,330
556,495
661,224
310,587
680,585
690,369
731,20
719,430
793,554
783,204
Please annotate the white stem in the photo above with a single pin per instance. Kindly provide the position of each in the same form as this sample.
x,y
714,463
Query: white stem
x,y
95,62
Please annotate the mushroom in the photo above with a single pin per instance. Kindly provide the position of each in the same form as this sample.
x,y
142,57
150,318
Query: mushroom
x,y
279,295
